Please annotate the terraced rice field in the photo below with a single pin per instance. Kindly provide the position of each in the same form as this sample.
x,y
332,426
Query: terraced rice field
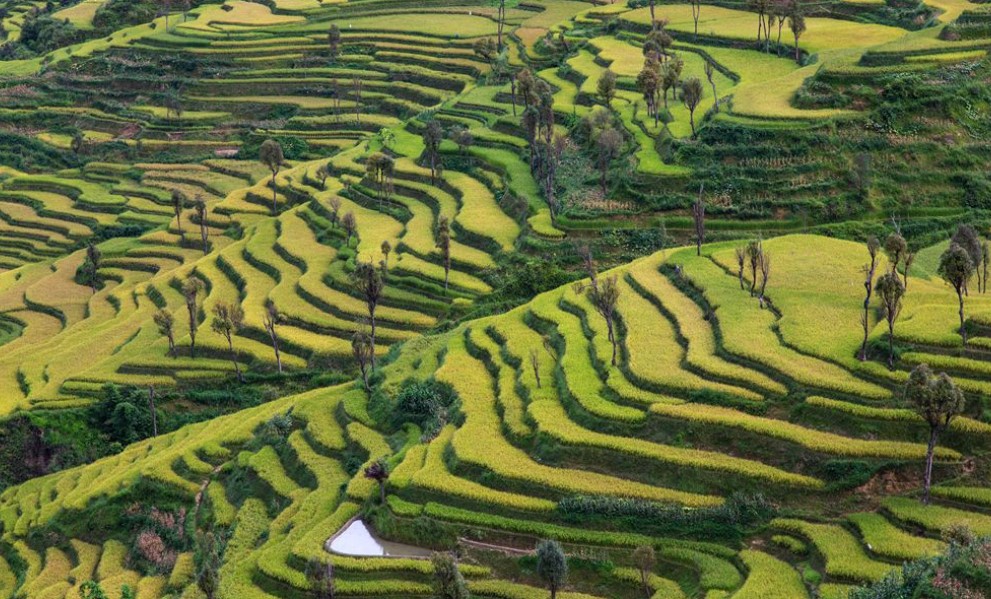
x,y
713,395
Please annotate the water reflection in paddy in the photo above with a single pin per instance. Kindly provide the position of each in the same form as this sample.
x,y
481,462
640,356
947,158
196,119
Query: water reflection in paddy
x,y
357,539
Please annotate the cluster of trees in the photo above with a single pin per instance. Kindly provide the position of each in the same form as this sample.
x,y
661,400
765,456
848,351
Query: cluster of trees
x,y
965,259
661,74
771,13
757,260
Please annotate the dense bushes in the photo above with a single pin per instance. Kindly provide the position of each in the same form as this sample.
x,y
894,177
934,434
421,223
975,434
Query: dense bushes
x,y
727,521
962,572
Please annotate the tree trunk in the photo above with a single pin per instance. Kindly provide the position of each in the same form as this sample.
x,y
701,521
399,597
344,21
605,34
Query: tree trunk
x,y
691,119
172,351
237,367
928,478
275,346
612,339
154,414
382,491
371,313
274,195
798,51
891,344
192,331
963,330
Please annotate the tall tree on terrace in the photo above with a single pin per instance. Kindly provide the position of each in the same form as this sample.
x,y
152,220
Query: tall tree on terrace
x,y
780,10
648,82
796,22
760,7
200,207
710,74
178,203
645,560
603,294
552,566
350,224
271,320
956,268
890,290
869,270
985,258
358,85
908,261
191,288
696,13
754,250
166,327
549,157
444,245
334,41
691,95
741,260
335,210
379,472
386,248
765,274
501,22
380,168
433,135
368,282
698,217
228,318
88,272
967,238
607,86
938,401
608,145
361,349
895,247
270,154
653,18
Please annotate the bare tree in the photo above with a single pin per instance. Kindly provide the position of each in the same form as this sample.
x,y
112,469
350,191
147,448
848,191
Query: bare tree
x,y
271,156
501,20
869,270
368,282
361,349
535,364
358,85
228,318
444,245
698,216
741,260
603,294
696,13
765,273
334,41
710,74
645,560
335,210
200,206
754,250
433,135
271,320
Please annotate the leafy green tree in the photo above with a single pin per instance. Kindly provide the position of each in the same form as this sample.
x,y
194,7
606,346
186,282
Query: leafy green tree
x,y
606,86
350,224
166,327
334,41
938,401
191,288
448,581
691,95
433,135
270,154
966,237
92,590
228,318
895,247
200,207
178,203
890,291
796,22
957,268
370,285
608,146
88,272
552,566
